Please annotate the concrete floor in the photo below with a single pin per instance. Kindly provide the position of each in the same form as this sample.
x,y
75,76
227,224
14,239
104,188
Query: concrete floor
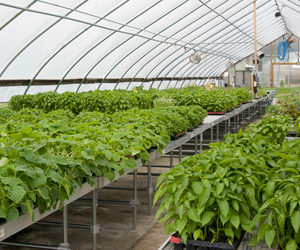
x,y
115,219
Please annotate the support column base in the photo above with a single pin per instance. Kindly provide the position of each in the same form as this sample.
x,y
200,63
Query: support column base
x,y
64,246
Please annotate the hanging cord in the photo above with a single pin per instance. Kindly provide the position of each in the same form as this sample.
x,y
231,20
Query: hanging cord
x,y
283,56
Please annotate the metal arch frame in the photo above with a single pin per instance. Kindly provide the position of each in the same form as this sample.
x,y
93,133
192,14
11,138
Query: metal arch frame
x,y
277,24
210,72
213,71
122,43
145,43
212,61
92,15
226,19
158,46
294,4
67,43
15,56
70,41
286,27
148,38
96,45
17,14
192,40
208,38
214,35
120,60
84,22
177,71
177,49
197,66
165,48
296,16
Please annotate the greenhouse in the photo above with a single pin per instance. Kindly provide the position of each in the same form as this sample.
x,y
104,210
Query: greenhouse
x,y
149,125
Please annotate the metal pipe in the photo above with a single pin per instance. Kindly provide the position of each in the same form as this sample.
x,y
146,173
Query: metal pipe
x,y
218,132
171,159
196,144
130,189
212,134
105,201
28,245
150,189
134,198
94,219
201,141
65,224
48,223
180,153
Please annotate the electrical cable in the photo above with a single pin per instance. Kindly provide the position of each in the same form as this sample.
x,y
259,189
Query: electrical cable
x,y
282,55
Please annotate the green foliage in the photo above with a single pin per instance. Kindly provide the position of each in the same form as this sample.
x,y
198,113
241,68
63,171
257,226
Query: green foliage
x,y
261,92
163,102
244,181
110,102
44,157
286,108
297,125
275,127
281,84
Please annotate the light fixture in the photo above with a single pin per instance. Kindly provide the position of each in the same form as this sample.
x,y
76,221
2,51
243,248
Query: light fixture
x,y
195,58
277,14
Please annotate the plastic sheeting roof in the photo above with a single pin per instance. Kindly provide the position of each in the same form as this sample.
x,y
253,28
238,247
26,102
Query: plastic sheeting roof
x,y
128,40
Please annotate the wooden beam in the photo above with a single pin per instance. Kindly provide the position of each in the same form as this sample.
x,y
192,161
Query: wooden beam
x,y
272,69
282,64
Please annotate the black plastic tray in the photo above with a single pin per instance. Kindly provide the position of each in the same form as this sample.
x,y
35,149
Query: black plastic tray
x,y
207,245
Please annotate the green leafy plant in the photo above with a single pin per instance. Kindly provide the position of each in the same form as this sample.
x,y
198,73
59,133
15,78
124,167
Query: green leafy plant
x,y
281,84
273,127
164,102
246,180
212,196
44,157
113,101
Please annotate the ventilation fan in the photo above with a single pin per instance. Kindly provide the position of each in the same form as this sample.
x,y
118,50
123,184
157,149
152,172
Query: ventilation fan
x,y
195,58
229,64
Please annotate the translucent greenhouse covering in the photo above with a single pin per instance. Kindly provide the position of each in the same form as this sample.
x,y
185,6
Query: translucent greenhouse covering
x,y
82,45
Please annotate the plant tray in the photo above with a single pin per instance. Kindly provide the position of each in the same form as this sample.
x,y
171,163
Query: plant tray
x,y
204,245
239,105
216,113
229,110
293,134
